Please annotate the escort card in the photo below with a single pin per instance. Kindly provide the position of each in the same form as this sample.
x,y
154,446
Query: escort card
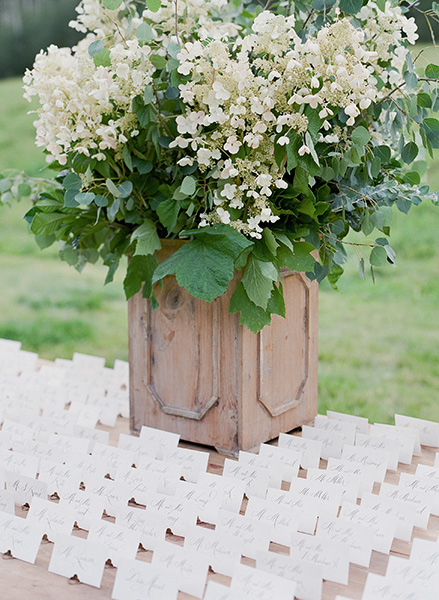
x,y
51,516
367,476
418,499
309,509
426,552
331,557
20,536
382,526
138,580
311,450
188,567
381,588
393,447
274,466
332,442
114,494
148,524
87,414
135,445
361,423
378,460
139,484
159,441
350,484
307,576
290,459
255,478
324,493
217,591
115,458
342,428
88,508
7,501
250,535
179,515
428,472
191,462
358,537
73,555
61,479
413,574
408,439
233,490
208,500
42,450
93,436
425,485
25,488
404,514
281,520
19,433
91,468
169,472
68,445
428,430
219,548
254,583
118,541
5,439
19,463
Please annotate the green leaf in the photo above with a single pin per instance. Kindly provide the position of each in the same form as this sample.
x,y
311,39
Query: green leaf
x,y
140,269
382,217
45,224
144,33
147,239
158,61
351,7
276,302
188,186
300,260
168,213
409,152
424,100
270,240
432,71
252,316
72,181
111,187
411,80
378,256
258,281
431,129
85,198
102,59
173,49
24,190
112,4
96,47
383,153
153,5
360,136
125,189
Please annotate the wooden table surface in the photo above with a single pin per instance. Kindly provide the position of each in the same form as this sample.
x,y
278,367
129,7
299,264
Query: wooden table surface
x,y
20,580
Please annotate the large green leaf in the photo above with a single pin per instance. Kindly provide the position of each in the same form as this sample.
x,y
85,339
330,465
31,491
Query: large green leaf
x,y
147,239
351,7
44,224
431,128
409,152
254,317
168,212
258,280
153,5
299,260
140,269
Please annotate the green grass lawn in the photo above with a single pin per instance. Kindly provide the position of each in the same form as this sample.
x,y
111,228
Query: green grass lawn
x,y
379,343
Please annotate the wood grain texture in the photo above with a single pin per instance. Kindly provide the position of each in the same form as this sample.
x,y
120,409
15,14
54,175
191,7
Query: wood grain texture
x,y
19,580
196,371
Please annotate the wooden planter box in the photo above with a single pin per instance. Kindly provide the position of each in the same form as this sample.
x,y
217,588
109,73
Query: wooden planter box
x,y
196,371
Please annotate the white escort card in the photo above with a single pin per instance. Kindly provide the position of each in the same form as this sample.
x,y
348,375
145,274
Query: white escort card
x,y
382,526
253,583
418,499
19,463
41,450
68,445
159,441
191,462
232,489
150,526
413,574
139,483
61,479
307,576
345,429
220,548
87,414
332,442
135,445
404,513
281,520
7,501
273,465
290,459
425,485
367,475
350,483
331,557
250,535
53,517
428,472
217,591
118,541
88,508
19,433
115,458
178,514
113,493
361,423
169,473
311,450
20,536
138,580
255,478
208,500
326,494
378,460
309,509
428,430
408,438
189,568
92,468
358,537
425,552
92,436
24,488
381,588
393,447
72,555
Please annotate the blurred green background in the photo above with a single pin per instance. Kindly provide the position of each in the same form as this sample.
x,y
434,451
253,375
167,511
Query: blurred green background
x,y
379,343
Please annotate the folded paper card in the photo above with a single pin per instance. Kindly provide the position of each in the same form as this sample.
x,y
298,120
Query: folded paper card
x,y
138,580
72,555
253,583
20,536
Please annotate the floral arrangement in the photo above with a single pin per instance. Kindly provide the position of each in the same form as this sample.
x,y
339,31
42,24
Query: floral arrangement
x,y
259,138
